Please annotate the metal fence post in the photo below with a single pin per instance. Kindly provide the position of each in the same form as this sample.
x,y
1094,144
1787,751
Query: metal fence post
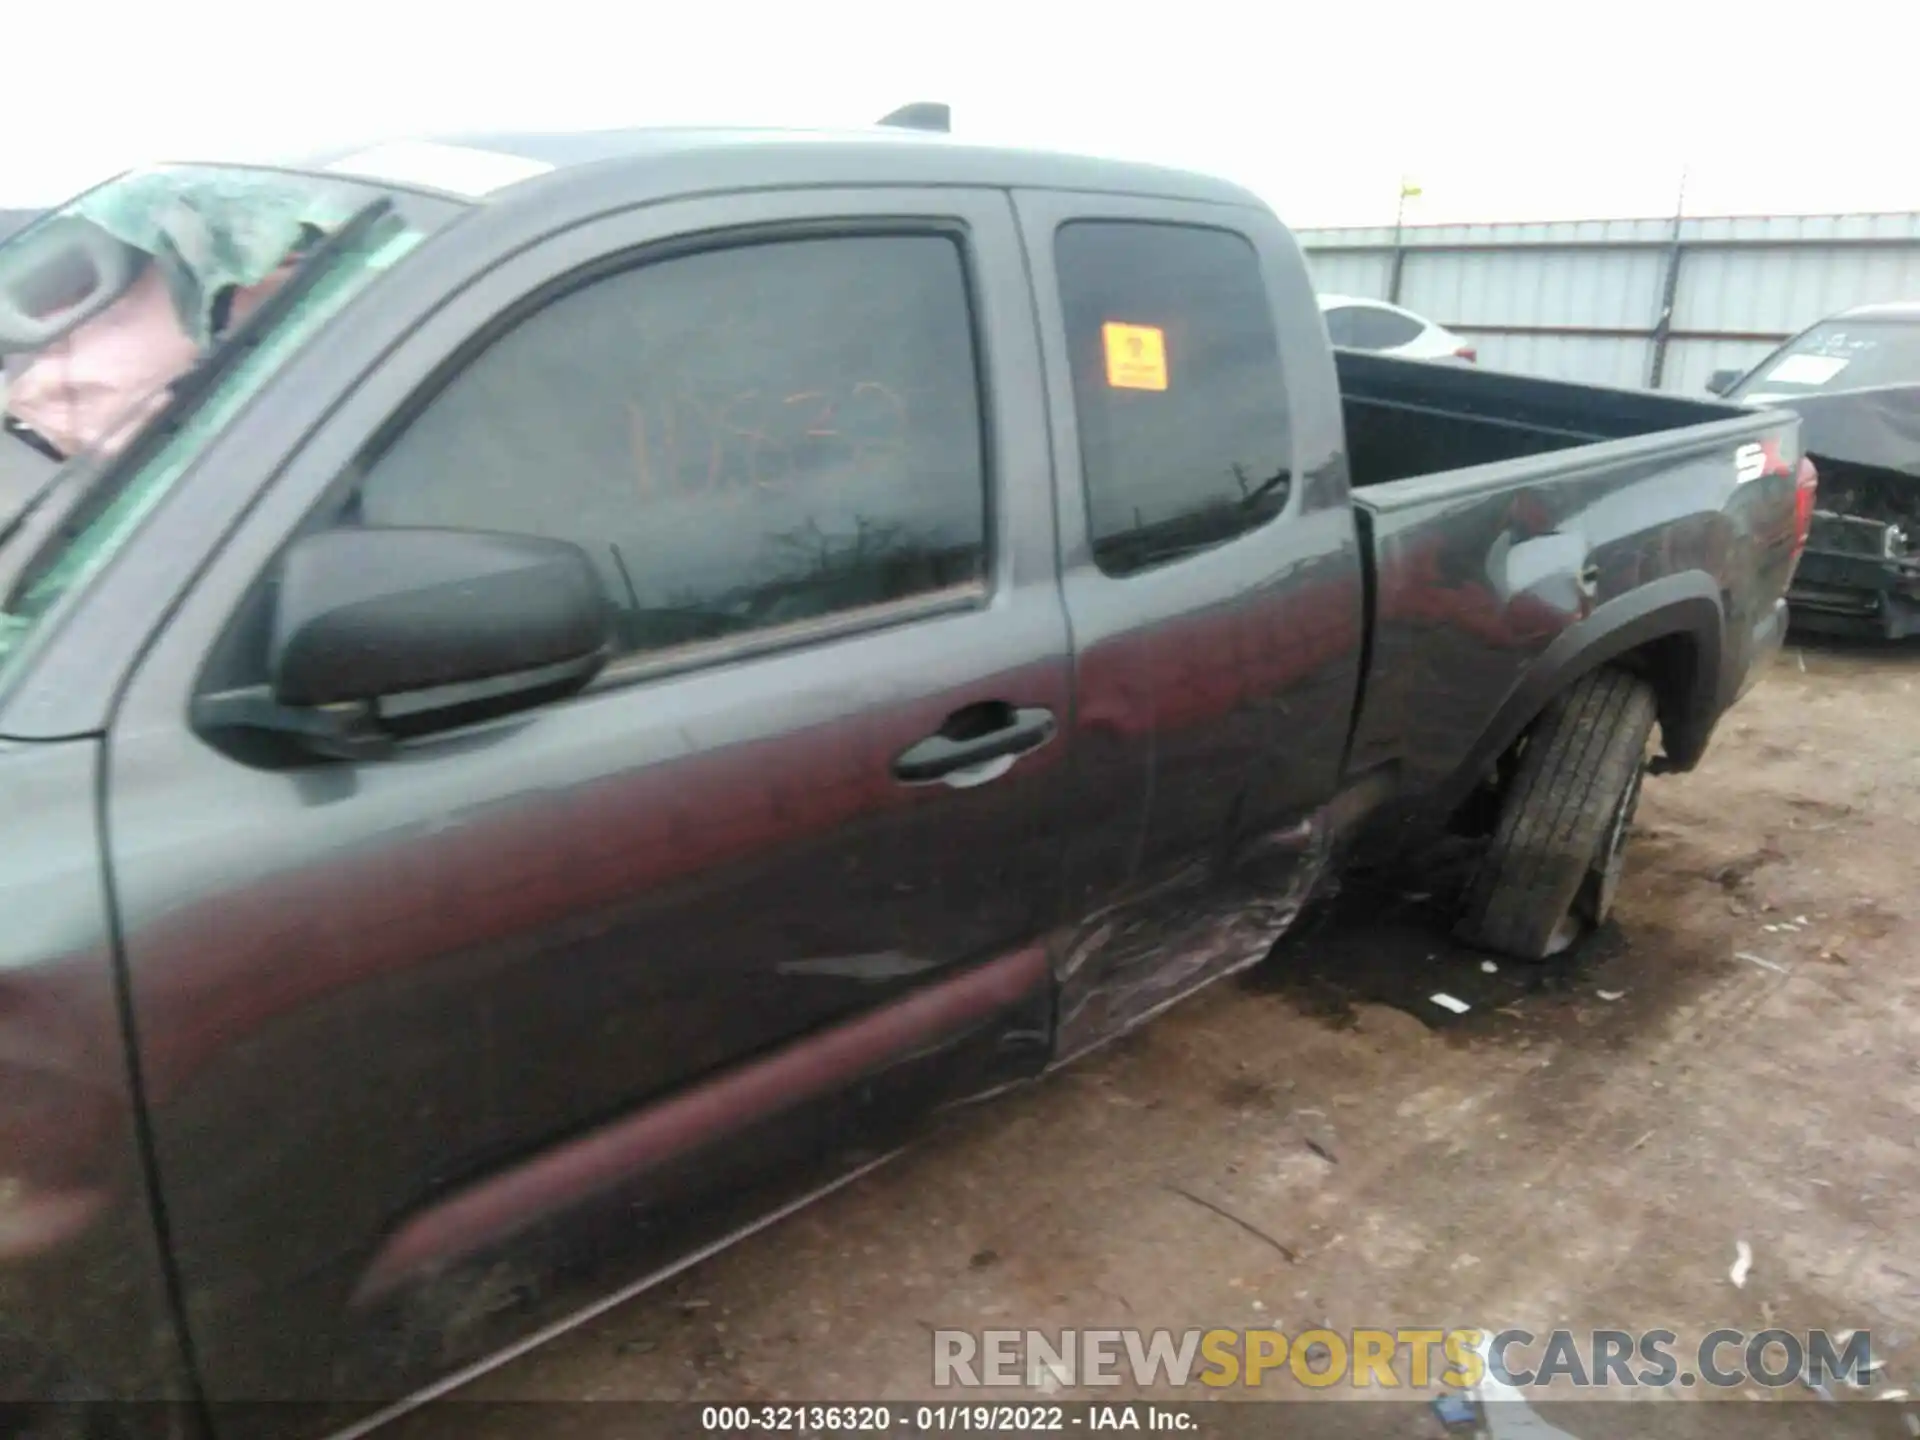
x,y
1669,293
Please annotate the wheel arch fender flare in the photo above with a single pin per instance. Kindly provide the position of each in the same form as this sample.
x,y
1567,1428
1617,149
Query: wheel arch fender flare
x,y
1675,630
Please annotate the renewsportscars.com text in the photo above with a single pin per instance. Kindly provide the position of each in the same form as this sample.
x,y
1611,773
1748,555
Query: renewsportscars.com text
x,y
1393,1359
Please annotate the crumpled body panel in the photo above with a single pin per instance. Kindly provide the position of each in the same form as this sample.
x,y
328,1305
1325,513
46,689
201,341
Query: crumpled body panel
x,y
1126,964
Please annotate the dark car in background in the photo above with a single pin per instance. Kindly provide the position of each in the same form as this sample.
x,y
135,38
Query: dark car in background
x,y
1854,380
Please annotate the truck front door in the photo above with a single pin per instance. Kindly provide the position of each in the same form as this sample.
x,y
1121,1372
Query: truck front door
x,y
428,1039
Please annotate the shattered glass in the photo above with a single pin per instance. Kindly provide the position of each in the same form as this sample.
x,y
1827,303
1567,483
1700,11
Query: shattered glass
x,y
207,233
209,229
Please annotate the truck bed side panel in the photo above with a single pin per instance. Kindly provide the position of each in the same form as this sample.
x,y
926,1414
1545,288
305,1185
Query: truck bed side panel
x,y
1496,586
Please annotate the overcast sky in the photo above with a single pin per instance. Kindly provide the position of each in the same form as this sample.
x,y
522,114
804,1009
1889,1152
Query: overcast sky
x,y
1498,111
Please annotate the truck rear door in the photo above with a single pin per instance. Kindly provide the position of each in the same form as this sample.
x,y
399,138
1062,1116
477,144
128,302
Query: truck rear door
x,y
1212,581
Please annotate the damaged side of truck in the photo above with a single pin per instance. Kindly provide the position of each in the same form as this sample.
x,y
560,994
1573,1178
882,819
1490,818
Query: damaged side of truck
x,y
735,644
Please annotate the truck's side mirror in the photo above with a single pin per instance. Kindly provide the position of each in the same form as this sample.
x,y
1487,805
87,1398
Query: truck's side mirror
x,y
1721,381
377,632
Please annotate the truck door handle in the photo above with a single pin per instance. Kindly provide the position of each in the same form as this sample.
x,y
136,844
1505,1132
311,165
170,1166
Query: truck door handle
x,y
975,735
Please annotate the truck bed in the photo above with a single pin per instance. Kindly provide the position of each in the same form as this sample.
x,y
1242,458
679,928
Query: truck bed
x,y
1407,418
1499,512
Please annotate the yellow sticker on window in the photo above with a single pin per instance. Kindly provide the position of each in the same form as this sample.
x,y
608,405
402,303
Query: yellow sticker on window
x,y
1136,356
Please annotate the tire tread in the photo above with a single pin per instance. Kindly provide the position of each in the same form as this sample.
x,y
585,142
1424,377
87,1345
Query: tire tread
x,y
1579,759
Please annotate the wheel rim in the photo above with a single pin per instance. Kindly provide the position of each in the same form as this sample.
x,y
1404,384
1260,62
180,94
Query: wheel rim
x,y
1610,864
1565,932
1594,902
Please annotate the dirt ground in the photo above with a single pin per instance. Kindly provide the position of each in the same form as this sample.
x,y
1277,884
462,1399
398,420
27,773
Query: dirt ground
x,y
1733,1059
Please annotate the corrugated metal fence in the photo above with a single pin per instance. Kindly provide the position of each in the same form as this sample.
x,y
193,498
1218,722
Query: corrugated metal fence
x,y
1663,303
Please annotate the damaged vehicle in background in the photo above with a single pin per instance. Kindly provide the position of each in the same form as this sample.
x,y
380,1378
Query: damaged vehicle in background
x,y
1854,380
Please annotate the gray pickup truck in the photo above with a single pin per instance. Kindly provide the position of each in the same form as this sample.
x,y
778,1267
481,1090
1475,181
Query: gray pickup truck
x,y
616,673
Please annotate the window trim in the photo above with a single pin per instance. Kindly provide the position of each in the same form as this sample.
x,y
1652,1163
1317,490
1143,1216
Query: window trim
x,y
643,666
1093,542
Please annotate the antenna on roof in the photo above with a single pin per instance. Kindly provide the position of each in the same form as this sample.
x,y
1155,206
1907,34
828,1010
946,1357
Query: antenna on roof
x,y
921,115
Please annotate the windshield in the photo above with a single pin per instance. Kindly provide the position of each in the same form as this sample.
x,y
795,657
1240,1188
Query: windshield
x,y
1838,355
125,327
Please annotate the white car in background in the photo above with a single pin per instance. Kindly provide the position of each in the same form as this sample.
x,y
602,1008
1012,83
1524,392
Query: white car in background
x,y
1361,324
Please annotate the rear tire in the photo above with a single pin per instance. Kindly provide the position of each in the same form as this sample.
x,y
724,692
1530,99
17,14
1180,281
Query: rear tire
x,y
1551,871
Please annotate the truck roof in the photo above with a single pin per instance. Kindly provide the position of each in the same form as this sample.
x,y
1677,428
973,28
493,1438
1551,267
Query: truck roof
x,y
529,163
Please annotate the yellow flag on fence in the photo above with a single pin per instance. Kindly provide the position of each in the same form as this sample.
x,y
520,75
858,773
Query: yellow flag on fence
x,y
1408,189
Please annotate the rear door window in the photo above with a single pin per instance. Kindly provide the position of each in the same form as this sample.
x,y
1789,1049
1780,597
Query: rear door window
x,y
1181,405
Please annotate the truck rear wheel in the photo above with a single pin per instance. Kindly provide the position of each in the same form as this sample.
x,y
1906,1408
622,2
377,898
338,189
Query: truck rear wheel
x,y
1553,866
